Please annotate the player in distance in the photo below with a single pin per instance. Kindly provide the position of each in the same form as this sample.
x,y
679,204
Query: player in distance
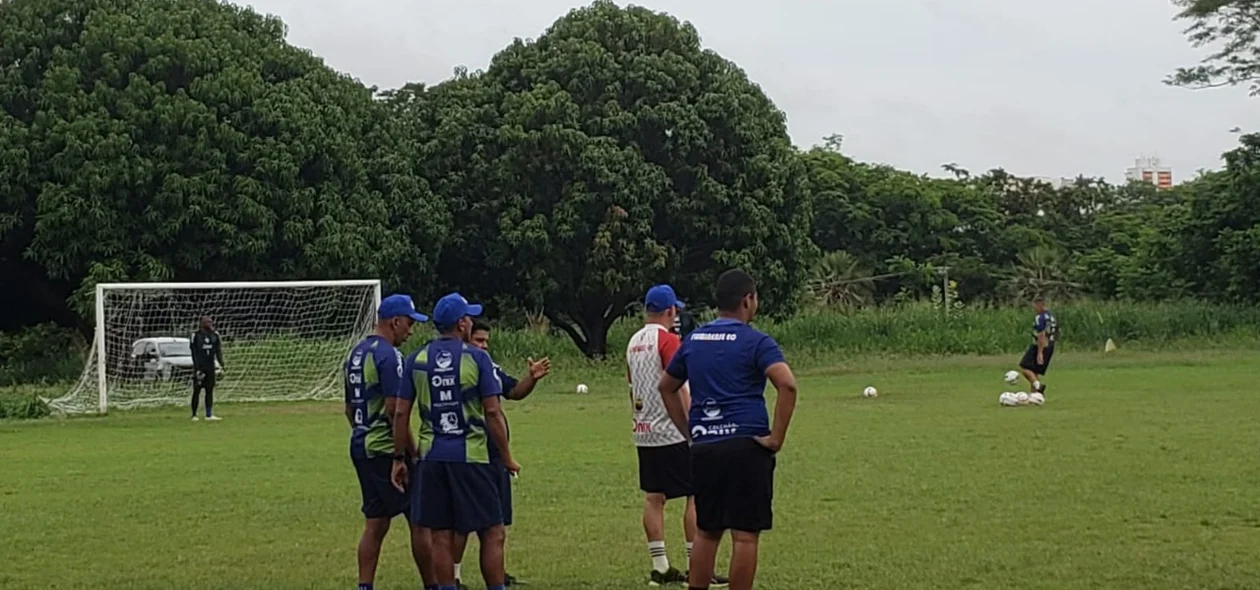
x,y
512,390
684,323
372,374
206,347
1036,359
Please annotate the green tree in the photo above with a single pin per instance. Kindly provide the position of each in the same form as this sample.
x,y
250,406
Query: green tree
x,y
874,212
1219,249
1042,271
185,140
840,281
1231,29
611,153
1155,266
1129,248
894,221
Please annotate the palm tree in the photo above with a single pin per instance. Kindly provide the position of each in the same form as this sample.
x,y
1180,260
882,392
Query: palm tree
x,y
1042,271
839,280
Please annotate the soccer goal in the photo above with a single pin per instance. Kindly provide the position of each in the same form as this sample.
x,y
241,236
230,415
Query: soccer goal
x,y
281,340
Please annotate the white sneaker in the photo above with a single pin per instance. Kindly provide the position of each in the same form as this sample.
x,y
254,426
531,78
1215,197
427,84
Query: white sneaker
x,y
195,418
213,418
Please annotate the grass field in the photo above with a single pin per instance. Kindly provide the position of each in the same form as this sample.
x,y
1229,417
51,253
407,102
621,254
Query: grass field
x,y
1140,472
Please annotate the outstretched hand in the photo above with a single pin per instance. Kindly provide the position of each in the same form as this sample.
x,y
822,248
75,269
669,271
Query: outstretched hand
x,y
539,369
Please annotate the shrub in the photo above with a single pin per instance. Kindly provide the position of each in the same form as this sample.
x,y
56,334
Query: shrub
x,y
22,404
39,354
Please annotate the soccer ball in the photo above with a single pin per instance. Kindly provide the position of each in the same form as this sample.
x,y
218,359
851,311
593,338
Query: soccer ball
x,y
1021,397
1036,399
869,392
581,388
1007,399
1011,377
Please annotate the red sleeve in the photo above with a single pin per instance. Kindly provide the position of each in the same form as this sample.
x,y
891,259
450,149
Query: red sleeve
x,y
668,344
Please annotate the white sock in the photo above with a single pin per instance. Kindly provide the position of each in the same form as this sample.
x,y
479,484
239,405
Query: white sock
x,y
660,561
1036,386
689,554
457,568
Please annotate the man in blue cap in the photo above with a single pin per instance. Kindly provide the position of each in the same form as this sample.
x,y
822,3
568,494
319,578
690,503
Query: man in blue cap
x,y
664,453
513,389
455,487
372,374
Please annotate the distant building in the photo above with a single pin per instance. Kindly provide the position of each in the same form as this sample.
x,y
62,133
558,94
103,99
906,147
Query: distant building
x,y
1055,182
1149,169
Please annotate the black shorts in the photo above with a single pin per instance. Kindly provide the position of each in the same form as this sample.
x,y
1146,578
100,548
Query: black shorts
x,y
666,470
734,485
380,498
463,497
505,493
1029,361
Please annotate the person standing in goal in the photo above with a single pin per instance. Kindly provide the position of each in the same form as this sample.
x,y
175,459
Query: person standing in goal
x,y
206,349
664,453
373,373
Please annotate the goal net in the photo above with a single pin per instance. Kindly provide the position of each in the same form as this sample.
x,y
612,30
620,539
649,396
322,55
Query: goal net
x,y
280,341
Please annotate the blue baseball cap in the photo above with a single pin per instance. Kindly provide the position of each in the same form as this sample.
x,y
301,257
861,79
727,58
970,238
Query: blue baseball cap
x,y
661,298
451,308
397,306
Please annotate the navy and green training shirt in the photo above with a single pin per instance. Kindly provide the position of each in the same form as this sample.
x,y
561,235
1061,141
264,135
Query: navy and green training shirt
x,y
1045,322
447,379
725,363
371,373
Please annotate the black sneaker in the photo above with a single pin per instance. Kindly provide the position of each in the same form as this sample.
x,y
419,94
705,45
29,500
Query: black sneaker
x,y
1042,389
460,585
716,582
669,576
510,580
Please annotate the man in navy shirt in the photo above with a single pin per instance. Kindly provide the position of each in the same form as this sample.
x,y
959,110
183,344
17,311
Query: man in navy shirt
x,y
733,448
454,487
513,390
372,374
1036,359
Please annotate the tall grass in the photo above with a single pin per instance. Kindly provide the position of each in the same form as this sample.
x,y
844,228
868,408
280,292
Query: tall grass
x,y
922,329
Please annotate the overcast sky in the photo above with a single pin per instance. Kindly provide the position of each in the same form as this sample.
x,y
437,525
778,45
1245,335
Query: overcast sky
x,y
1039,88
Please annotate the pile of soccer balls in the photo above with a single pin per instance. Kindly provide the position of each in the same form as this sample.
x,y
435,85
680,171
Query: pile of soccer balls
x,y
1019,398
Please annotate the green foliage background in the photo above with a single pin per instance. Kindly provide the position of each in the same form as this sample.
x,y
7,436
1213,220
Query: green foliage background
x,y
187,140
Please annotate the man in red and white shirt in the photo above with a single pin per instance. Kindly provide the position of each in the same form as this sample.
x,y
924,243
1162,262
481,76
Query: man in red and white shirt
x,y
664,453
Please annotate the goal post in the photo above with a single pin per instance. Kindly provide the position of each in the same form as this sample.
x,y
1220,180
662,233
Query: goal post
x,y
281,340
